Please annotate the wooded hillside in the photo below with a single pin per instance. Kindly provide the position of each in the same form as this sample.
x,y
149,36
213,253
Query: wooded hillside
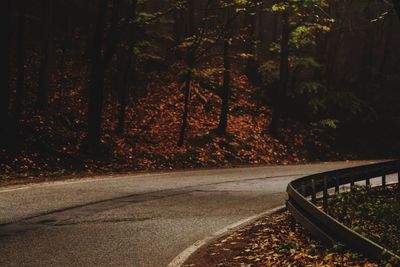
x,y
122,85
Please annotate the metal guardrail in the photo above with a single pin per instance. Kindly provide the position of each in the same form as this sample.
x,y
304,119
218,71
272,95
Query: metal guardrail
x,y
302,201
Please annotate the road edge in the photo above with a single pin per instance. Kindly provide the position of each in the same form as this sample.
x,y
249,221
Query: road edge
x,y
179,260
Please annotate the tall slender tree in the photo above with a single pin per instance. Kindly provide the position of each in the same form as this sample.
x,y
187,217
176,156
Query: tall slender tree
x,y
67,21
100,60
223,121
387,45
177,25
20,61
397,7
275,24
5,49
124,94
190,59
96,86
284,72
43,85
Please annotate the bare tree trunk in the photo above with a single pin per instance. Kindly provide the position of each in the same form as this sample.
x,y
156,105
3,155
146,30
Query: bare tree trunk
x,y
177,26
96,90
185,114
364,76
100,63
112,36
223,121
252,63
43,85
322,40
124,95
387,50
188,80
66,39
284,74
5,49
20,84
397,7
275,24
89,38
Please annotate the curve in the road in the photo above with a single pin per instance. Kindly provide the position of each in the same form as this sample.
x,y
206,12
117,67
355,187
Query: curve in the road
x,y
141,220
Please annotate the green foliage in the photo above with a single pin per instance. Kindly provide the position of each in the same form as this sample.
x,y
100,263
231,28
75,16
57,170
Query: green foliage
x,y
146,18
306,26
308,88
275,48
280,7
352,106
302,36
209,78
325,124
269,71
304,62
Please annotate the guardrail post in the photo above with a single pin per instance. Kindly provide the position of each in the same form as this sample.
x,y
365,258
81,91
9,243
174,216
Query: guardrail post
x,y
398,181
384,180
325,195
313,193
368,182
303,190
337,189
352,184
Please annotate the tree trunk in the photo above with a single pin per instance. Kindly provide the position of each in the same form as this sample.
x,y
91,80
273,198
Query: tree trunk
x,y
178,18
364,76
96,89
188,80
388,47
66,45
177,24
223,121
275,24
252,63
397,7
5,49
284,74
124,95
112,36
20,59
191,18
89,38
43,85
185,114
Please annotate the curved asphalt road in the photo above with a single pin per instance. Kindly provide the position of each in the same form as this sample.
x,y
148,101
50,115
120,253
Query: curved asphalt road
x,y
139,220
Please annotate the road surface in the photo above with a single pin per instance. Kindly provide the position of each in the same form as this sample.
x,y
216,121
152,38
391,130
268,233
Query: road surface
x,y
139,220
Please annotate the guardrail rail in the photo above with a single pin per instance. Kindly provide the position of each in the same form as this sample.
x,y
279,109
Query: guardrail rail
x,y
304,192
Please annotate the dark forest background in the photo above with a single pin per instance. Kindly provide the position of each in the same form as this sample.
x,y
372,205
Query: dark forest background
x,y
122,85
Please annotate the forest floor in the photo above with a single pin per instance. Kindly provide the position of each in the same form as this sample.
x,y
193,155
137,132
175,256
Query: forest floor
x,y
49,143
